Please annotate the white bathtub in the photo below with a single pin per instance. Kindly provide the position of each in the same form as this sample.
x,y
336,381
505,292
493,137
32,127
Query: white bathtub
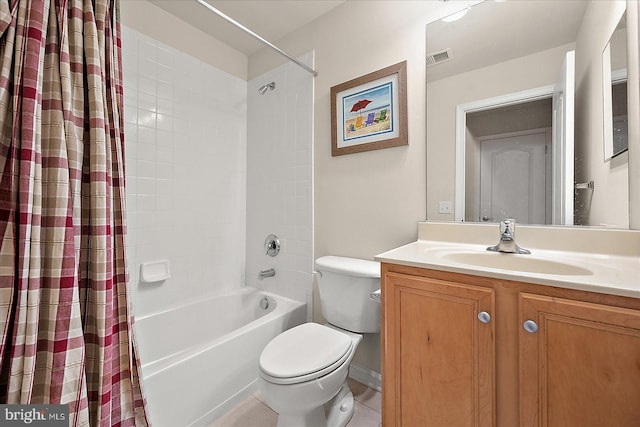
x,y
200,359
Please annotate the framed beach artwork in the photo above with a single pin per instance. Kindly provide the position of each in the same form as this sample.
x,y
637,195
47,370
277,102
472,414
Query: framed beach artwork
x,y
370,112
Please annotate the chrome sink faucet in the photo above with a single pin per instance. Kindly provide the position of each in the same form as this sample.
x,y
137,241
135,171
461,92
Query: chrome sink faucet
x,y
507,241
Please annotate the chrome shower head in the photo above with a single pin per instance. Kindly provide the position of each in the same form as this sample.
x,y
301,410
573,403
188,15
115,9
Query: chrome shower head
x,y
268,86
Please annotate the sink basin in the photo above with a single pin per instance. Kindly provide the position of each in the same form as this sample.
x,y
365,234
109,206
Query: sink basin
x,y
514,262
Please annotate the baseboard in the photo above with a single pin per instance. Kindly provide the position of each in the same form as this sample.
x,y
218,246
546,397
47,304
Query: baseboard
x,y
366,376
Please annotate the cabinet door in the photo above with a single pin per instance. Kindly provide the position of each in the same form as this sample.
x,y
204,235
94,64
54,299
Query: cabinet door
x,y
438,357
582,365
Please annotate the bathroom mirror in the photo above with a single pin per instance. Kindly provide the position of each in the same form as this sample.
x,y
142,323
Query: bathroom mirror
x,y
495,72
614,92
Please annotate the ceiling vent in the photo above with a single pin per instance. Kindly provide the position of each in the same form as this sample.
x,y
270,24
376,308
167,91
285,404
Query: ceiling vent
x,y
436,58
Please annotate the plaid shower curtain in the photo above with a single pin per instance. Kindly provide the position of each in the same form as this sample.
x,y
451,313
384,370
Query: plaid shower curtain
x,y
67,332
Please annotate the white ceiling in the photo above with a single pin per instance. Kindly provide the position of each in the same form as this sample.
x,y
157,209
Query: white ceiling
x,y
271,19
497,29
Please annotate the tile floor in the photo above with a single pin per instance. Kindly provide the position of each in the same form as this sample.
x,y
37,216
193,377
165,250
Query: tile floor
x,y
253,412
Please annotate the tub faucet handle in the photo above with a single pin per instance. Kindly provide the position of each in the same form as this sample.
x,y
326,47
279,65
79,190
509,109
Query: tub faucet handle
x,y
272,245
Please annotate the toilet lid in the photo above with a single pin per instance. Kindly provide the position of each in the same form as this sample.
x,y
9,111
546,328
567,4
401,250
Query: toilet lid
x,y
303,350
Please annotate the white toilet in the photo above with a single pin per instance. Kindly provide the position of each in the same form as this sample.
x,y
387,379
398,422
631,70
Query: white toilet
x,y
303,371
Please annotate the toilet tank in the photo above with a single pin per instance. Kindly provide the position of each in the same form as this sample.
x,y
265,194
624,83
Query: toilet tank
x,y
344,285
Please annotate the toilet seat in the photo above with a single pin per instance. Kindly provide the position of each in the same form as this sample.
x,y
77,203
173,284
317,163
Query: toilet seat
x,y
304,353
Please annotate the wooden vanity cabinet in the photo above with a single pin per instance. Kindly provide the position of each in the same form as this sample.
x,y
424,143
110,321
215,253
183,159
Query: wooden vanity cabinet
x,y
455,353
438,358
581,367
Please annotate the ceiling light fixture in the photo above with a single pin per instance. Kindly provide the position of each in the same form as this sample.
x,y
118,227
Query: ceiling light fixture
x,y
456,16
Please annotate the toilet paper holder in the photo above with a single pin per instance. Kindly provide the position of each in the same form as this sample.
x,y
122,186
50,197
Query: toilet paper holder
x,y
376,296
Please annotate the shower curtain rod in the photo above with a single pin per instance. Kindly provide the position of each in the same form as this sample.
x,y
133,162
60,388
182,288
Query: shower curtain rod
x,y
262,39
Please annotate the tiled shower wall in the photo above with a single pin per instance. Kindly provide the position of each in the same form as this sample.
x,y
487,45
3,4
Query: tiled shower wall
x,y
185,136
279,180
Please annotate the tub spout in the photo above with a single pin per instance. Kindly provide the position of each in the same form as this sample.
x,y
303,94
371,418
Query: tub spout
x,y
263,274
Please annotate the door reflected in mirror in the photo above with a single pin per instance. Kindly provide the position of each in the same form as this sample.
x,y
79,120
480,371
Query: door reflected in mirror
x,y
509,149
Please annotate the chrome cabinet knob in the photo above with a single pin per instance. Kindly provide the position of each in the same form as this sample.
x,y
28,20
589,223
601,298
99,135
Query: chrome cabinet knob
x,y
530,326
484,317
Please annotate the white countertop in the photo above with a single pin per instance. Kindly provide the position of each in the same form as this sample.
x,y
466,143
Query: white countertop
x,y
617,274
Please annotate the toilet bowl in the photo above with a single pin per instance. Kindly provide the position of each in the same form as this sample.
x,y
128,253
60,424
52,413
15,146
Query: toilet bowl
x,y
304,370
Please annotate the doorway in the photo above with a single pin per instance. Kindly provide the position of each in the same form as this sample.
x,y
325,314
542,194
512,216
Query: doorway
x,y
508,163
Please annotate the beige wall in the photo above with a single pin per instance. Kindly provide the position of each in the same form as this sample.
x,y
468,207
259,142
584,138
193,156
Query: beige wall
x,y
149,19
365,203
610,177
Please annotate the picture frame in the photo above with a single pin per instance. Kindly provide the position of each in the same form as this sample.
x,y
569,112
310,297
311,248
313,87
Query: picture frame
x,y
370,112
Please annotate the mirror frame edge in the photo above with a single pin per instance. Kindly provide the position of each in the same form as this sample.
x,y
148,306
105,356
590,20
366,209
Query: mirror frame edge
x,y
633,95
